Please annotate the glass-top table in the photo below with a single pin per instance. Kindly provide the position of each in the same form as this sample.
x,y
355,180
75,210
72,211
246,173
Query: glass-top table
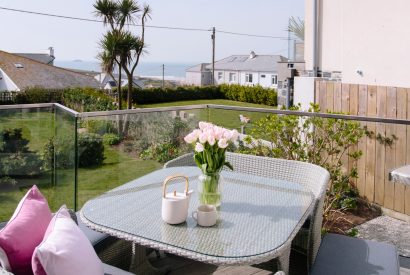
x,y
258,218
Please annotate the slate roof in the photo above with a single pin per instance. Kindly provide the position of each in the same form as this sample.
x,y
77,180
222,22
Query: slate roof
x,y
40,57
199,68
33,73
260,63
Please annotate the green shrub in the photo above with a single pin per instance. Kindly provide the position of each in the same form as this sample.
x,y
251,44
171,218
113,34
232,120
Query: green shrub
x,y
17,160
158,95
111,139
39,95
252,94
90,150
99,126
321,141
87,100
58,152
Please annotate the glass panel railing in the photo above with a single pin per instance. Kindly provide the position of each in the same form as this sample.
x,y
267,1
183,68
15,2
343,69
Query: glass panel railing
x,y
39,145
359,152
24,133
64,159
116,149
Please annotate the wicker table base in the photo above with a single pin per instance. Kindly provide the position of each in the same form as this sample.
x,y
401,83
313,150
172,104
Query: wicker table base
x,y
141,265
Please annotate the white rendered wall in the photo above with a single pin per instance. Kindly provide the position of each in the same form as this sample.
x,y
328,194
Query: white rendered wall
x,y
304,92
6,84
371,36
193,78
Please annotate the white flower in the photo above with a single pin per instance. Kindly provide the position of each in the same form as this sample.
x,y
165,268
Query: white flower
x,y
227,134
222,143
190,138
199,147
196,133
204,125
211,139
234,134
203,137
244,119
219,131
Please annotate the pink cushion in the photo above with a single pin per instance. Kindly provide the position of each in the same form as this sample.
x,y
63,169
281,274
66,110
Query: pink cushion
x,y
25,230
65,250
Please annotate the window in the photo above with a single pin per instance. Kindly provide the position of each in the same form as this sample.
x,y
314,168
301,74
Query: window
x,y
248,78
274,79
232,77
263,76
220,75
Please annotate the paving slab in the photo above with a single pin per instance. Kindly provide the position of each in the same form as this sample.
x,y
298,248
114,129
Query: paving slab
x,y
389,230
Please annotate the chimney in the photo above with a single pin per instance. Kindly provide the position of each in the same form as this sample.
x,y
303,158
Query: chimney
x,y
252,55
51,51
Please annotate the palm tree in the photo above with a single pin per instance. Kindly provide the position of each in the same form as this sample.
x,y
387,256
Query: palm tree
x,y
297,27
136,47
110,59
120,44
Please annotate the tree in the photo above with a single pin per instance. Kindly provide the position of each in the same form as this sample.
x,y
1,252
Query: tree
x,y
109,60
121,47
297,27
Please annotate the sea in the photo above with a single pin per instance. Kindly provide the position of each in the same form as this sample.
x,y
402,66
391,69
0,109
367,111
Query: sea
x,y
172,71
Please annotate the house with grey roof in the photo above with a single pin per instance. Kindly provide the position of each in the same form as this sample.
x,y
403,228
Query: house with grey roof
x,y
248,70
108,83
46,58
18,73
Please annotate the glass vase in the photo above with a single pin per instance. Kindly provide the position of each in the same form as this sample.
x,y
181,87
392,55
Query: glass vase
x,y
209,189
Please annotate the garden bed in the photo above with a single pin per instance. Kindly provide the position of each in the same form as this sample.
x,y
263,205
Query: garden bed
x,y
343,222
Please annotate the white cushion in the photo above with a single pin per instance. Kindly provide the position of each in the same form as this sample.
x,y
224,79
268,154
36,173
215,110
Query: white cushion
x,y
65,250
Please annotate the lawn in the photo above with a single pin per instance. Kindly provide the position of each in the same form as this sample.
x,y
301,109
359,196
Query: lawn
x,y
118,167
225,118
38,127
205,101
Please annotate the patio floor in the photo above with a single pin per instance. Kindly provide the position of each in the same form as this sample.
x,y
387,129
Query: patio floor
x,y
398,235
183,266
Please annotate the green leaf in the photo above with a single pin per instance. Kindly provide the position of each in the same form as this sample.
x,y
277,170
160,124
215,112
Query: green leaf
x,y
227,164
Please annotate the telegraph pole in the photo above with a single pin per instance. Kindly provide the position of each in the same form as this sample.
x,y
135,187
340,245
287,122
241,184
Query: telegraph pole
x,y
213,56
163,78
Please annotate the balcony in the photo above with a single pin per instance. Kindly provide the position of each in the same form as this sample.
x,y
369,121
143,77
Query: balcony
x,y
74,157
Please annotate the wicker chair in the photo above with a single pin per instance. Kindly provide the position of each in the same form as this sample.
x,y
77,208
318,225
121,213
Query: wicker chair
x,y
314,177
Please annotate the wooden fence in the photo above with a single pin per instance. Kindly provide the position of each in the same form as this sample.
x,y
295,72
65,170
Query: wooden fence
x,y
377,159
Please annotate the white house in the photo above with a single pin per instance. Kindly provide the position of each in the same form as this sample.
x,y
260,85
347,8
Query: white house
x,y
250,69
18,73
108,83
361,42
198,75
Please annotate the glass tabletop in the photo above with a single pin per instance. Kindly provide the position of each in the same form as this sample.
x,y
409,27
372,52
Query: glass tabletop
x,y
257,214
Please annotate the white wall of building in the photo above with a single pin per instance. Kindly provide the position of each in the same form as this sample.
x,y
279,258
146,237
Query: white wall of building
x,y
370,36
6,84
193,78
239,77
304,91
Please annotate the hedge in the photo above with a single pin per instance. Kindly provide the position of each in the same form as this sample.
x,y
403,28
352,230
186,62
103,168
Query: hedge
x,y
251,94
89,99
79,99
159,95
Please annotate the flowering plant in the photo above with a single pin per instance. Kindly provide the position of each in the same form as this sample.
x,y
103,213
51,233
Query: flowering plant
x,y
210,146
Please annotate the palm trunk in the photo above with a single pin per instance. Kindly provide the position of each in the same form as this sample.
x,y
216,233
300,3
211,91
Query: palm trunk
x,y
129,99
119,89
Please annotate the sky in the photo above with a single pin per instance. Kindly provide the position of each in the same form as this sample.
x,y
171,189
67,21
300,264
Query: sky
x,y
73,40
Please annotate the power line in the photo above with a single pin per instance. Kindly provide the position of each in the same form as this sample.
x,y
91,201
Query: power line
x,y
148,26
251,35
99,21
